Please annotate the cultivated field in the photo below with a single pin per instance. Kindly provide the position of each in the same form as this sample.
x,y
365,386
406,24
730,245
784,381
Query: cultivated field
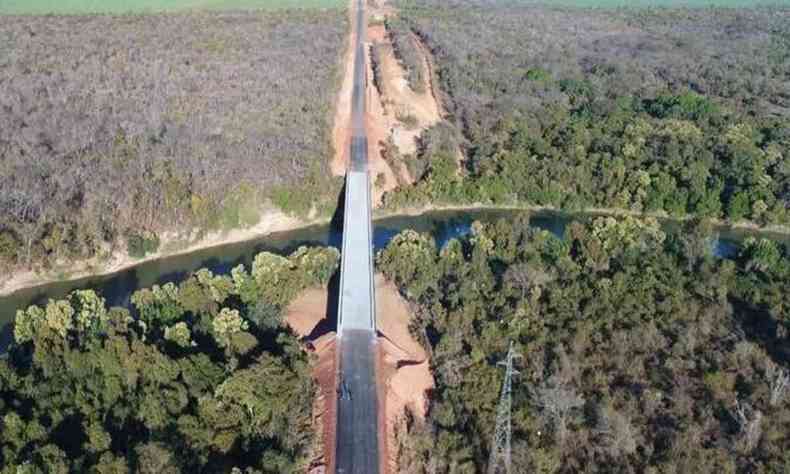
x,y
133,125
42,7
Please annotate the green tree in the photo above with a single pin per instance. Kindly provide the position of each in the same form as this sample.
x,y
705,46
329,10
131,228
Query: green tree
x,y
227,323
739,206
761,254
409,260
159,304
179,334
155,458
9,247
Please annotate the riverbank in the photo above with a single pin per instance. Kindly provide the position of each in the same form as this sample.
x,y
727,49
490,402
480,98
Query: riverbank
x,y
749,226
272,220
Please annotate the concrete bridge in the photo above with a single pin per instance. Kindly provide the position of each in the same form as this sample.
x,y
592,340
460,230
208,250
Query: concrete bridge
x,y
357,449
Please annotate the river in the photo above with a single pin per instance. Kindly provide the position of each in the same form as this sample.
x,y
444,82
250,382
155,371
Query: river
x,y
117,288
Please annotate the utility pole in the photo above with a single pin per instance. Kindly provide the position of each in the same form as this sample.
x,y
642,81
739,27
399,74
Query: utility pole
x,y
499,462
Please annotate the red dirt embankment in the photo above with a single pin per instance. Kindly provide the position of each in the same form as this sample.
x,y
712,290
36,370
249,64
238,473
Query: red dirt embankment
x,y
303,315
402,370
404,373
392,102
341,130
387,106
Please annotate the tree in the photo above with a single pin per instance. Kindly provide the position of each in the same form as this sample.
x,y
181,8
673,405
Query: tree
x,y
409,261
749,423
159,304
265,315
9,247
183,379
760,254
318,264
616,430
111,464
523,276
697,241
739,206
155,458
779,383
601,343
227,323
275,277
27,213
557,402
179,334
118,162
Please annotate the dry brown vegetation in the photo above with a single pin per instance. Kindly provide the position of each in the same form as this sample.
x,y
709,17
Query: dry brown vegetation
x,y
669,111
131,125
642,352
507,59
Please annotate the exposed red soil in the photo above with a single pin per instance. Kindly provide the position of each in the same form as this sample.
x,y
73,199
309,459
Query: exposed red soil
x,y
392,320
377,135
391,100
306,311
383,373
402,370
400,100
430,74
324,412
376,33
433,88
303,315
341,130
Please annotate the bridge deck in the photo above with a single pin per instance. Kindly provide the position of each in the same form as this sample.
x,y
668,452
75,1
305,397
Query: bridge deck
x,y
357,449
357,307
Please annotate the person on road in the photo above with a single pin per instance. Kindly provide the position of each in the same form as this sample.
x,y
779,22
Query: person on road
x,y
345,393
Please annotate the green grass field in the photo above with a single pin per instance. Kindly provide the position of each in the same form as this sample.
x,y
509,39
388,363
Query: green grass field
x,y
42,7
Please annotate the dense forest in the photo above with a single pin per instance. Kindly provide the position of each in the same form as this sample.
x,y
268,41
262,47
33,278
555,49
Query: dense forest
x,y
201,376
642,352
672,111
115,129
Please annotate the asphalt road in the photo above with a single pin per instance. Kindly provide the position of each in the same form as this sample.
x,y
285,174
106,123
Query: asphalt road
x,y
357,449
360,76
357,406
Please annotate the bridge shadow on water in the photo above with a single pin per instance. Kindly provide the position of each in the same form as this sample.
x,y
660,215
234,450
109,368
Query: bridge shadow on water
x,y
329,323
336,223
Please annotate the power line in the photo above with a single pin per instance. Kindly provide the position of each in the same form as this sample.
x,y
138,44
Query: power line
x,y
499,462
